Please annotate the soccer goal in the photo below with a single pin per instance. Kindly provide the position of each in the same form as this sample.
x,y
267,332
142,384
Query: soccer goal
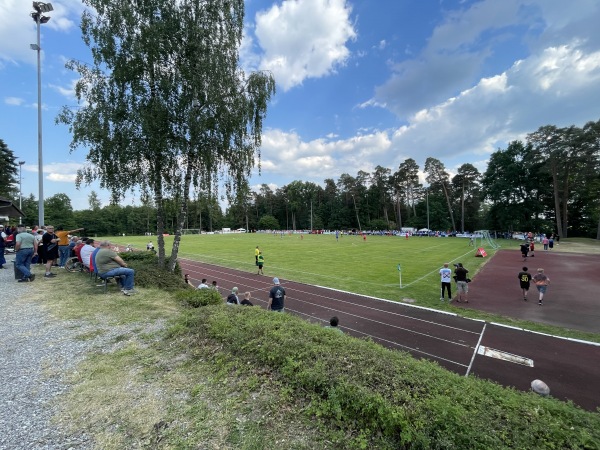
x,y
191,231
486,238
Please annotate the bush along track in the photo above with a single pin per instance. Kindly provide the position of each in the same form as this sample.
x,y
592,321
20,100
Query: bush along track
x,y
386,398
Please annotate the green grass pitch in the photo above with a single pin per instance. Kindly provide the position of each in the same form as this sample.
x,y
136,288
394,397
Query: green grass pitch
x,y
368,267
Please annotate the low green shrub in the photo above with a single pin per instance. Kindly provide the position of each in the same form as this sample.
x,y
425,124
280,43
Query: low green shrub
x,y
148,274
385,398
199,297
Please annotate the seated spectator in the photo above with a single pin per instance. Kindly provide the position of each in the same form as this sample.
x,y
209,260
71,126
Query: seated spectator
x,y
232,299
72,245
333,324
110,264
77,250
86,252
203,285
246,300
187,280
214,285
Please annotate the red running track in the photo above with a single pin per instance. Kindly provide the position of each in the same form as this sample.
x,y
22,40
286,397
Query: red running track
x,y
570,368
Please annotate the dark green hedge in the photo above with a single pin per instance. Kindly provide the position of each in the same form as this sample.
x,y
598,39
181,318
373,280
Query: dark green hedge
x,y
387,399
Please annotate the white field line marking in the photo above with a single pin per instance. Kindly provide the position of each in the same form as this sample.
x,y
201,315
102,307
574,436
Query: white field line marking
x,y
475,351
436,271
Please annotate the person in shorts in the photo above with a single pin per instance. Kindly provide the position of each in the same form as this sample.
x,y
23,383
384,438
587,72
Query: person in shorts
x,y
460,275
260,262
524,282
541,281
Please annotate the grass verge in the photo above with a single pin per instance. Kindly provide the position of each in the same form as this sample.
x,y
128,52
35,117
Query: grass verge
x,y
167,376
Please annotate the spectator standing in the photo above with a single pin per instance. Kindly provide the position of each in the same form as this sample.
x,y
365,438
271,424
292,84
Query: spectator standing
x,y
64,250
256,253
541,281
551,242
2,246
260,262
25,248
110,264
460,275
524,282
446,280
232,299
246,301
545,243
276,297
50,241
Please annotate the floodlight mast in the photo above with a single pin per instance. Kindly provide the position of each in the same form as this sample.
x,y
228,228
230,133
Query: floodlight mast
x,y
38,18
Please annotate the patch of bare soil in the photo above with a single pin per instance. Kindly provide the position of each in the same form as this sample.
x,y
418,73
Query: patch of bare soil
x,y
587,246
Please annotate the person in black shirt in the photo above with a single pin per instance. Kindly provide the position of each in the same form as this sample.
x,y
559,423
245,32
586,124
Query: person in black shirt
x,y
460,275
524,281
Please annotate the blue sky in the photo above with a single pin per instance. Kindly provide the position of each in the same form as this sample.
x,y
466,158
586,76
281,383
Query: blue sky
x,y
359,83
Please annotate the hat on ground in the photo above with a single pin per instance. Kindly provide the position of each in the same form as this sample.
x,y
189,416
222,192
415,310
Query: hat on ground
x,y
275,280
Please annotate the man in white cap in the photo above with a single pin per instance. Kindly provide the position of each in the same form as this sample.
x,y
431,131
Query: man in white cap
x,y
276,297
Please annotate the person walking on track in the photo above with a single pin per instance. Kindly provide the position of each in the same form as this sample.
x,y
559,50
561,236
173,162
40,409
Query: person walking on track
x,y
524,282
541,281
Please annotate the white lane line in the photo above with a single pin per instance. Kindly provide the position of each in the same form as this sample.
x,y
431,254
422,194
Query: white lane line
x,y
396,304
393,326
475,352
409,349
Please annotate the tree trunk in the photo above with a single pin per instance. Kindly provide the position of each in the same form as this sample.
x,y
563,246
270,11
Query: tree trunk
x,y
462,208
557,209
160,220
565,205
399,214
182,216
449,206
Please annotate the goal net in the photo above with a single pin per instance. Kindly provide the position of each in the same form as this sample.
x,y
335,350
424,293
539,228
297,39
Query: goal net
x,y
191,231
486,238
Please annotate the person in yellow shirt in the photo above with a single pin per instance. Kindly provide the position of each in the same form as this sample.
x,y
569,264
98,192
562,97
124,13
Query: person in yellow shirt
x,y
63,244
256,253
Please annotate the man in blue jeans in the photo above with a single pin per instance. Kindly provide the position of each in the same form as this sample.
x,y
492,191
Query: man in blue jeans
x,y
110,264
25,247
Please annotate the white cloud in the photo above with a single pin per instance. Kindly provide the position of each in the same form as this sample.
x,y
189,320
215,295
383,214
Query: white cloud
x,y
304,39
14,101
286,155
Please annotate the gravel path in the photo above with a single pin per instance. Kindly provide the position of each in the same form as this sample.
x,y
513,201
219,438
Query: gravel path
x,y
35,352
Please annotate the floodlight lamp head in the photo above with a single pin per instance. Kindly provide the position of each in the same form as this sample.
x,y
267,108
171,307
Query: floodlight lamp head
x,y
44,19
34,46
42,7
